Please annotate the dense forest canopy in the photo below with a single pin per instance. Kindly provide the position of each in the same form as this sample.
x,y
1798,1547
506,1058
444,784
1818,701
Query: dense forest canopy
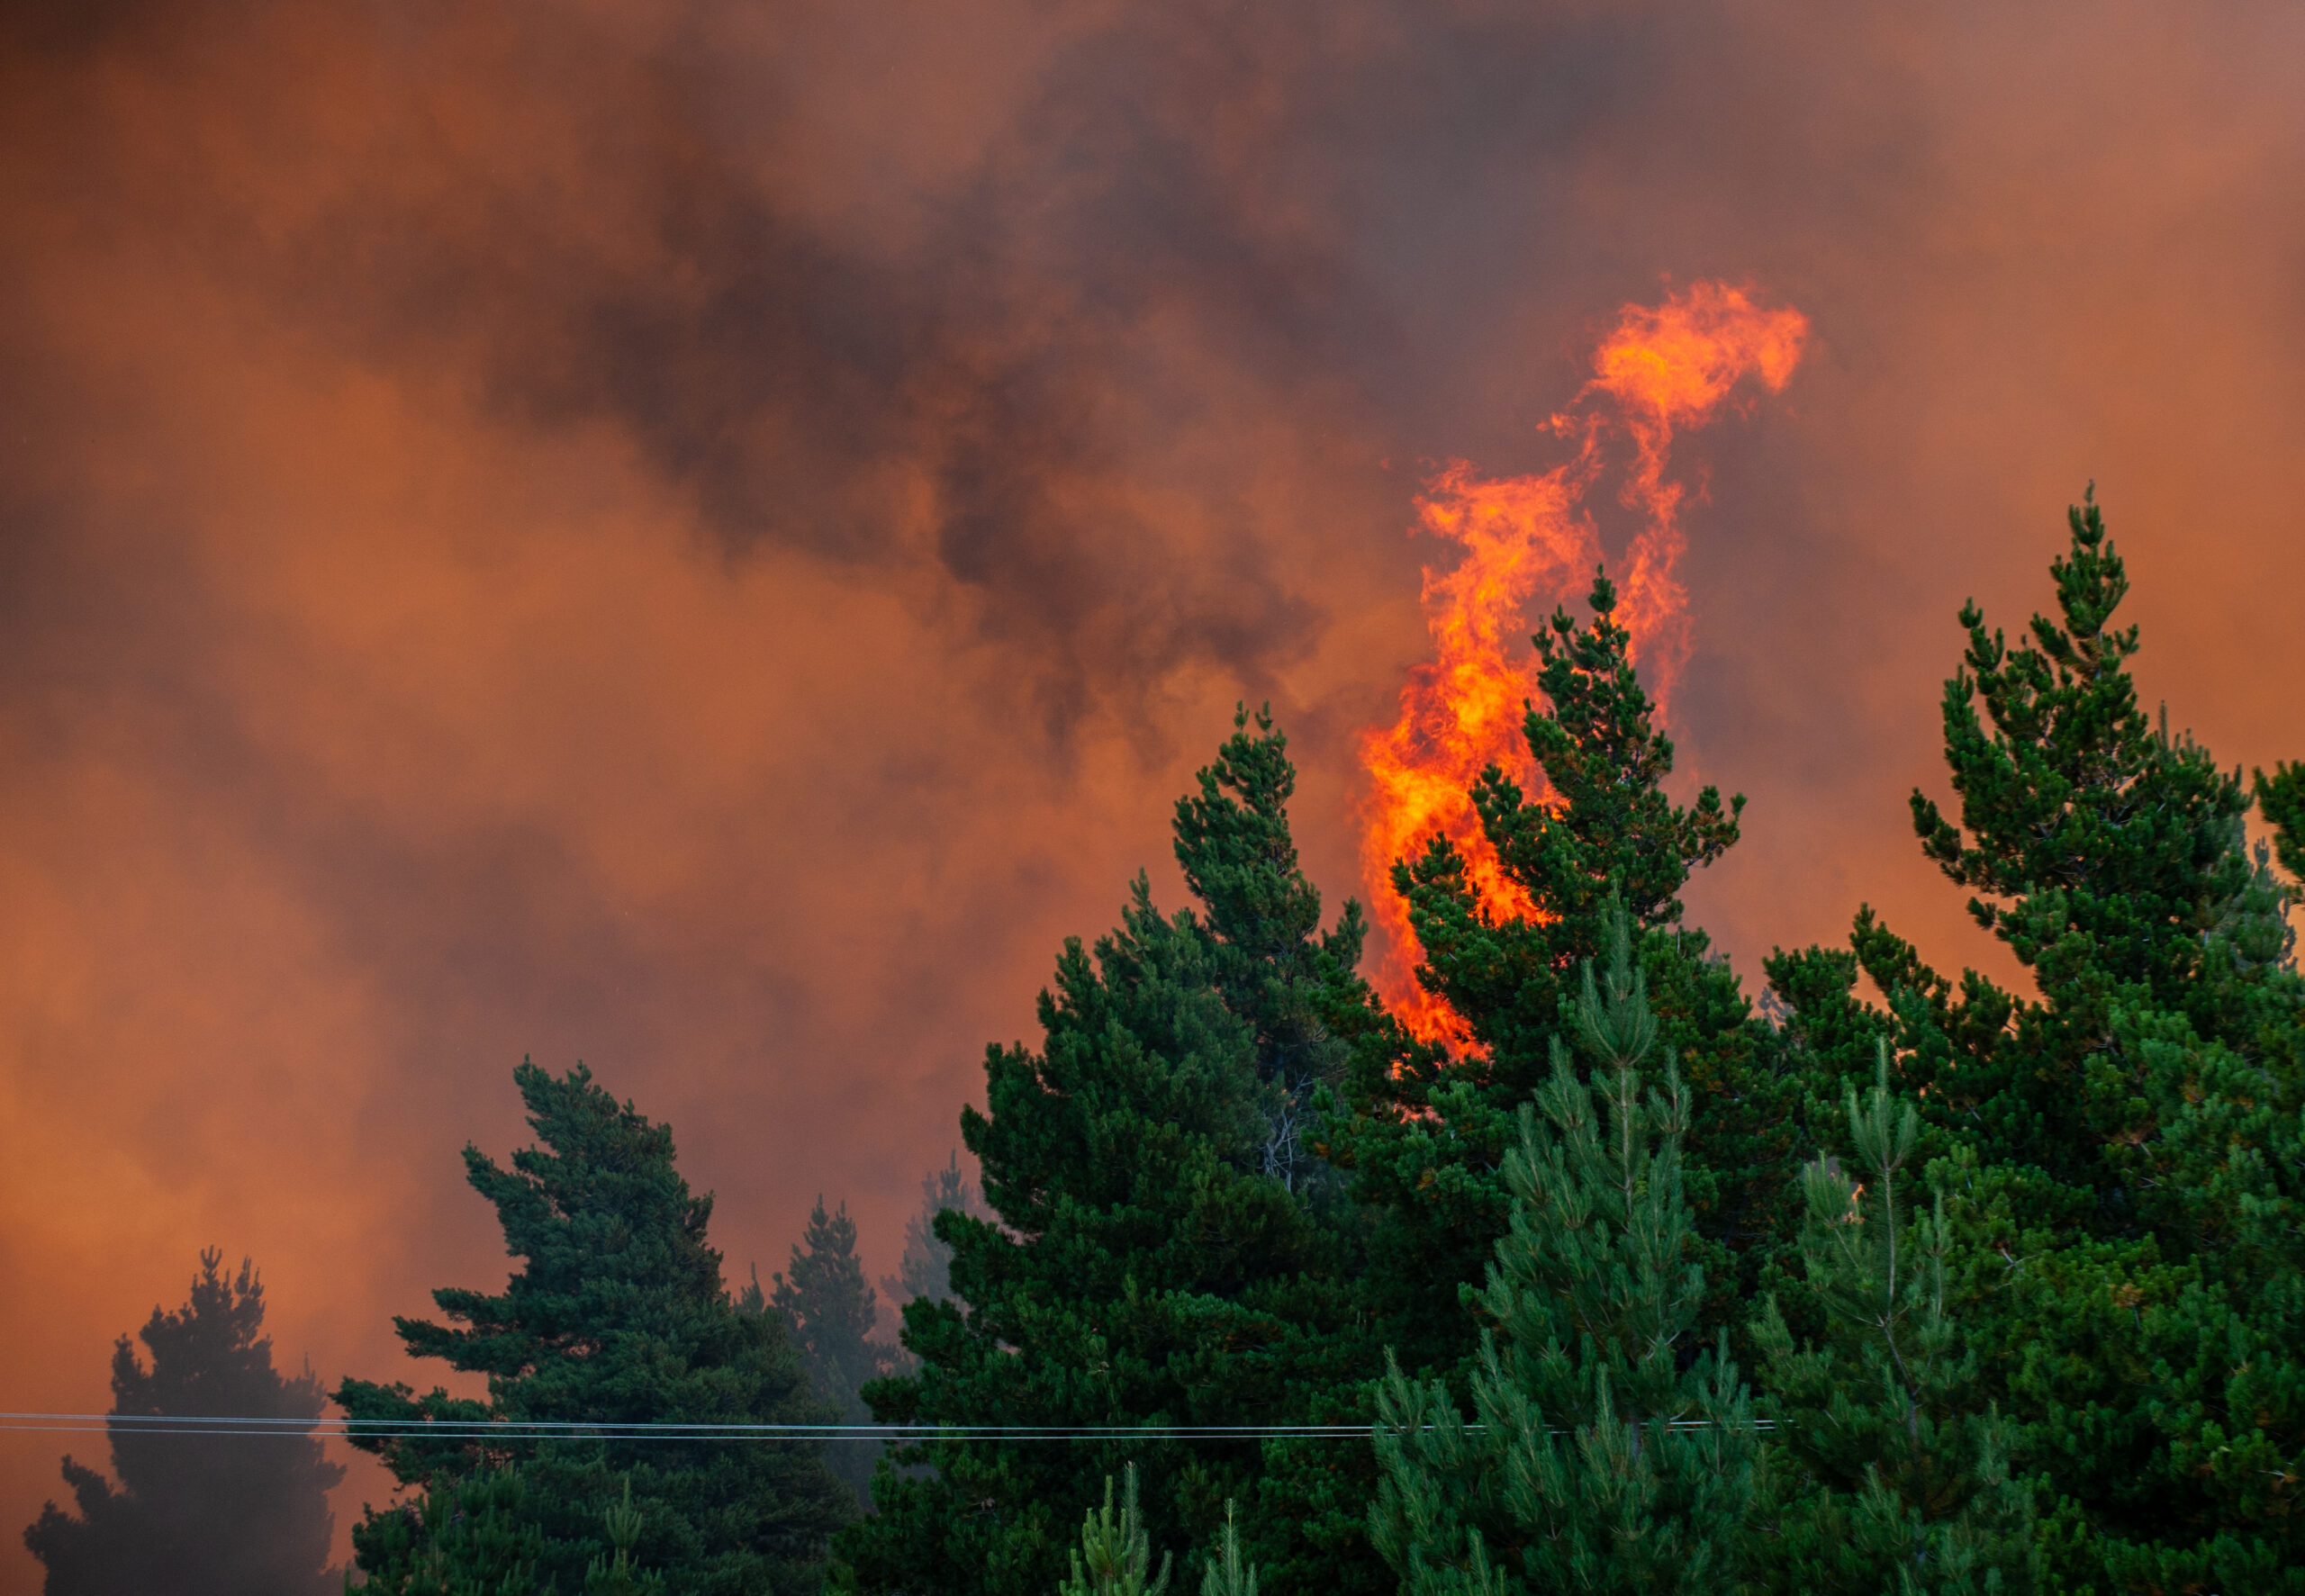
x,y
1895,1280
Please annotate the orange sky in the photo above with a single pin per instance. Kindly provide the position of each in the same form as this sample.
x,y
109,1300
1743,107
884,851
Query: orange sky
x,y
707,537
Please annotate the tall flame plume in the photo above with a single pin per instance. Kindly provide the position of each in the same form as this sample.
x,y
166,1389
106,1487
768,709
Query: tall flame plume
x,y
1525,538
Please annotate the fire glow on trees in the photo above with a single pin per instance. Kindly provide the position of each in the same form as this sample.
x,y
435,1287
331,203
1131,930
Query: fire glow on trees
x,y
1528,537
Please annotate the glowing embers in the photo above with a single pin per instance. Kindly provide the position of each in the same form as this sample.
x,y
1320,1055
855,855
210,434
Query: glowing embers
x,y
1527,538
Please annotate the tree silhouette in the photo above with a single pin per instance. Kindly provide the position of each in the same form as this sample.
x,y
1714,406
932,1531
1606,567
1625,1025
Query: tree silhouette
x,y
232,1515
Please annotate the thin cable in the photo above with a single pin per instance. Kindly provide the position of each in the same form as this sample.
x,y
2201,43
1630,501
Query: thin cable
x,y
675,1431
644,1431
252,1423
592,1424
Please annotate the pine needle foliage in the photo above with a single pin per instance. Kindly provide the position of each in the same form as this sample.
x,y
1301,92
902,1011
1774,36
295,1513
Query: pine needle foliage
x,y
2120,1158
1428,1125
925,1271
617,1314
2281,800
2097,846
829,1312
1892,1468
620,1576
1163,1250
1114,1557
1610,1455
1226,1574
476,1535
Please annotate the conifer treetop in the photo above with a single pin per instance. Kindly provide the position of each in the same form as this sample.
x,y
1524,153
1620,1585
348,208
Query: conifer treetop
x,y
2281,798
1597,1255
1603,1462
1609,828
199,1514
2066,786
610,1232
617,1317
1233,843
1116,1557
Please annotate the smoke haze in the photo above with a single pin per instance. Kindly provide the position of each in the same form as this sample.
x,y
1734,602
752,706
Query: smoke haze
x,y
706,538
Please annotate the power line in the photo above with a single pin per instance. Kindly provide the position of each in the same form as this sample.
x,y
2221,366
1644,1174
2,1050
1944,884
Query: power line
x,y
515,1429
652,1430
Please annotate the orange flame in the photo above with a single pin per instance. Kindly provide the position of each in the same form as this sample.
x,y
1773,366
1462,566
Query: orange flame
x,y
1527,538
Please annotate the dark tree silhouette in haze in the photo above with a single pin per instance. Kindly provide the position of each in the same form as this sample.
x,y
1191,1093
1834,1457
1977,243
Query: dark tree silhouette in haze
x,y
926,1270
196,1514
830,1312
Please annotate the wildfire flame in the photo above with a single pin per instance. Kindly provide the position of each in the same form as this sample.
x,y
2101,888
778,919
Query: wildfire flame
x,y
1528,537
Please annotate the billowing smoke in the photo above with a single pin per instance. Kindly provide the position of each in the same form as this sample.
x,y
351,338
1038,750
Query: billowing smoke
x,y
706,537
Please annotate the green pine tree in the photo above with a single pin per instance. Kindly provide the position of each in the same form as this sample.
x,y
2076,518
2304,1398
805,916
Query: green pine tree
x,y
1225,1574
1261,924
234,1515
615,1316
830,1314
2096,846
2281,798
1891,1470
1610,1455
472,1535
1165,1250
2120,1156
621,1576
1115,1556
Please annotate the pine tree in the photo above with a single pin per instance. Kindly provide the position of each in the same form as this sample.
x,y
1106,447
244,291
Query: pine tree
x,y
2119,1158
2194,1336
621,1576
233,1515
1114,1557
1261,926
470,1537
617,1316
1429,1128
2281,798
831,1314
1163,1251
2099,849
1225,1574
1893,1470
926,1269
1607,1457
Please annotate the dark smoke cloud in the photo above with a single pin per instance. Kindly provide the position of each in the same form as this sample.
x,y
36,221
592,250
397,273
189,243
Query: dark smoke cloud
x,y
705,538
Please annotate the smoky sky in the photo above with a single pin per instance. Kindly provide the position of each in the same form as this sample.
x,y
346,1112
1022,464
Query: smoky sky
x,y
707,537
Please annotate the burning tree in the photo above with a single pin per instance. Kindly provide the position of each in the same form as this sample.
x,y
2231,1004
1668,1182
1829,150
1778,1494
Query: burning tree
x,y
1495,841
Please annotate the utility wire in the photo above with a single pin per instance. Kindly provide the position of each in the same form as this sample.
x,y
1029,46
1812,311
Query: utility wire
x,y
508,1430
